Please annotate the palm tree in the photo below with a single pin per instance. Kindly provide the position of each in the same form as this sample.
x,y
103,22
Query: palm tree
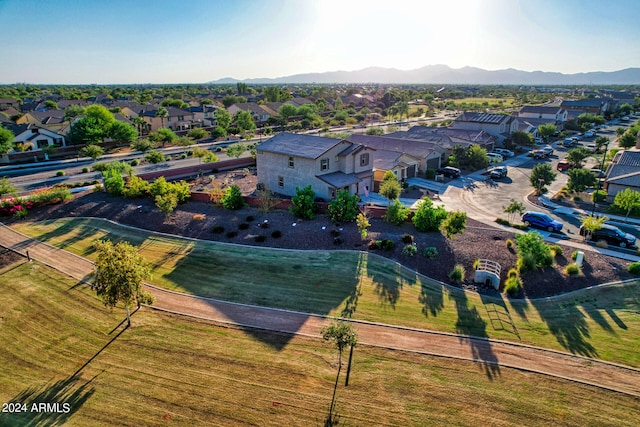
x,y
162,113
140,123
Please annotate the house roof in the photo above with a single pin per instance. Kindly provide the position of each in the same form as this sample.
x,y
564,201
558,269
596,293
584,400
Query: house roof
x,y
540,109
445,138
625,169
339,179
386,160
469,116
418,149
587,102
299,145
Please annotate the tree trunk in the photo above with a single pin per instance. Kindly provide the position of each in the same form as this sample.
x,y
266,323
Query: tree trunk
x,y
128,316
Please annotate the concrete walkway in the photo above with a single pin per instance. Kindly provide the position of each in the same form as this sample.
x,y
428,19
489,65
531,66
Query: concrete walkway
x,y
489,355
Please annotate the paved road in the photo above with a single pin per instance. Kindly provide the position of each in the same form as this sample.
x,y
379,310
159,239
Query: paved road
x,y
489,355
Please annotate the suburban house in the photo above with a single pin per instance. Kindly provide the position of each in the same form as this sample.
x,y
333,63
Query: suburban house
x,y
8,103
623,173
447,138
556,114
290,160
32,138
595,106
418,155
177,119
258,112
498,125
53,120
205,115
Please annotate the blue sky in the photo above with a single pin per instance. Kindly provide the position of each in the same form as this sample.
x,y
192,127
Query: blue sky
x,y
195,41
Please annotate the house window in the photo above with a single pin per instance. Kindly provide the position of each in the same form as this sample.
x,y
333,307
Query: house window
x,y
324,164
291,164
181,118
364,159
281,181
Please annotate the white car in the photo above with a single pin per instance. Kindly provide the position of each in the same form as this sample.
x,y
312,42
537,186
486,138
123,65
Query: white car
x,y
504,152
588,134
495,158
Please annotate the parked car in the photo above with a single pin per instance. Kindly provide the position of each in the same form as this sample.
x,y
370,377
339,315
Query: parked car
x,y
610,234
564,165
504,152
541,220
538,154
588,134
498,172
449,172
599,173
539,140
592,148
547,149
495,158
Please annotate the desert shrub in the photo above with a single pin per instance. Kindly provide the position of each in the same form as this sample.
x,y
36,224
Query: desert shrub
x,y
168,158
276,234
260,238
154,157
531,244
344,208
409,250
49,196
303,204
430,252
455,223
457,274
135,162
526,263
509,243
397,213
572,270
407,238
556,250
231,234
167,203
159,186
512,272
503,221
113,181
243,226
249,218
387,244
183,156
218,229
136,187
428,218
512,285
634,268
60,173
122,167
232,198
85,170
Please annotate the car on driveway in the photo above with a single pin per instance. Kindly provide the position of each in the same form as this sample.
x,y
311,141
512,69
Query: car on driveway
x,y
498,172
612,235
504,152
564,165
449,172
541,220
599,173
547,149
538,154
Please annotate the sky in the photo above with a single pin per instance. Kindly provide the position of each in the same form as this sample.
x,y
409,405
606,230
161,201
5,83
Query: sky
x,y
197,41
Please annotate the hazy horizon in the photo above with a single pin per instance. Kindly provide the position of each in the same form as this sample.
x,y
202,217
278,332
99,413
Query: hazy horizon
x,y
169,41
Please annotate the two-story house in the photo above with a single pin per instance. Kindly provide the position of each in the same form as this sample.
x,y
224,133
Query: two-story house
x,y
498,125
596,106
290,160
543,112
176,119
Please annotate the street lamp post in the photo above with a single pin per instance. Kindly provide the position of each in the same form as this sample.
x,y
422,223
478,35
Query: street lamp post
x,y
595,194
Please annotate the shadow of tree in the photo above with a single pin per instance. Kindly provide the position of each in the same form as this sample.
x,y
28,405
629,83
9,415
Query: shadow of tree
x,y
52,404
568,324
388,280
471,324
351,303
499,314
616,319
432,299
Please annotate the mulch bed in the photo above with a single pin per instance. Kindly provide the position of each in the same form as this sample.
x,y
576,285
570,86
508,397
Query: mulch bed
x,y
280,229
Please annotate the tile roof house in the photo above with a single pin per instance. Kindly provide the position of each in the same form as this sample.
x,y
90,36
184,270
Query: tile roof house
x,y
595,106
177,119
8,102
623,173
52,120
290,160
29,137
447,138
543,112
257,111
498,125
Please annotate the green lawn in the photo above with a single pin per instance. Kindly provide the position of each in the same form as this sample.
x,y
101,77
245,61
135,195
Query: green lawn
x,y
599,323
60,344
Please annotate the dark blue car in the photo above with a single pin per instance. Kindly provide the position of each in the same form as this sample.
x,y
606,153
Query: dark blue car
x,y
541,220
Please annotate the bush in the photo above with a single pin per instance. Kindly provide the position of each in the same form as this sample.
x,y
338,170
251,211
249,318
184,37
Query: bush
x,y
475,264
232,234
430,173
154,157
509,243
374,245
598,196
526,263
387,245
232,198
303,203
503,221
531,244
344,208
183,156
409,250
243,226
168,158
520,227
397,213
135,162
60,173
218,229
428,218
455,223
276,234
457,274
512,285
113,182
85,170
407,238
512,273
136,187
430,252
122,167
556,250
572,270
634,268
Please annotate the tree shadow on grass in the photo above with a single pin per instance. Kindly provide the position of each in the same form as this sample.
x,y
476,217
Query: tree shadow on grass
x,y
432,299
388,278
351,303
471,324
499,314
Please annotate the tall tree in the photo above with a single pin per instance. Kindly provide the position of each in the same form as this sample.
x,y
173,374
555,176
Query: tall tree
x,y
244,121
139,123
223,118
627,199
73,111
581,179
6,141
119,274
286,111
576,156
122,132
162,113
592,223
546,131
541,176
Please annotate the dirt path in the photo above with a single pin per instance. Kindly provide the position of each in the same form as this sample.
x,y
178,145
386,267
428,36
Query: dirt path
x,y
489,355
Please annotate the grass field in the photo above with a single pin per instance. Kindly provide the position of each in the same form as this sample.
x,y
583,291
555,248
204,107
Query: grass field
x,y
61,345
600,323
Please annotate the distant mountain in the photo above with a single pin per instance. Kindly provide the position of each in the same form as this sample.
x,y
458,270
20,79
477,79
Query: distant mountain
x,y
443,74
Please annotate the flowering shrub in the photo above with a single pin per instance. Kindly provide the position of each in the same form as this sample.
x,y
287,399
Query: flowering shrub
x,y
15,206
19,206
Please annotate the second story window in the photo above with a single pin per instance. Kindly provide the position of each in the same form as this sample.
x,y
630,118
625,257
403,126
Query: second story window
x,y
364,159
324,164
291,164
281,181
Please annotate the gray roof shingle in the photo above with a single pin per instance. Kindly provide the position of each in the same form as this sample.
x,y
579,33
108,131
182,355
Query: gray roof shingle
x,y
299,145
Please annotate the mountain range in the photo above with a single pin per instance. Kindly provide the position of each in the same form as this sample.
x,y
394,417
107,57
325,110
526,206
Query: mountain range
x,y
443,74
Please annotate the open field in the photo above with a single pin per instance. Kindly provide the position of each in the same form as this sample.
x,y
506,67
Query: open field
x,y
506,102
600,323
61,345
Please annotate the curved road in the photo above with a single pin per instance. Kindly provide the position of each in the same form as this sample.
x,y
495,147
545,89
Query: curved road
x,y
489,355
